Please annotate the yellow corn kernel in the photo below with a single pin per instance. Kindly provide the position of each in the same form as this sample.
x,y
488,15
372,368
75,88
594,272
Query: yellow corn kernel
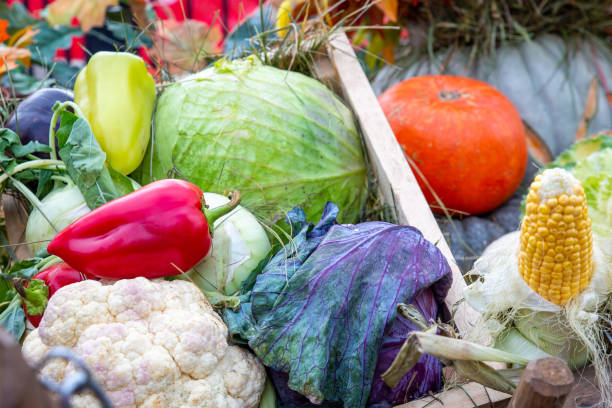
x,y
556,244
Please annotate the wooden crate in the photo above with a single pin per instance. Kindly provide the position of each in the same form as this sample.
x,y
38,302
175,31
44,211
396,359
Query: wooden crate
x,y
398,185
399,190
402,193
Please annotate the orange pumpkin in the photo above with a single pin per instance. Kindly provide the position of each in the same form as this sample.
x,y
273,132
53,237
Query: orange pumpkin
x,y
465,137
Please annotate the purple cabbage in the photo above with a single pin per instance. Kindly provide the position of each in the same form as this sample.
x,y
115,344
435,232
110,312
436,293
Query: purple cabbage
x,y
426,374
324,308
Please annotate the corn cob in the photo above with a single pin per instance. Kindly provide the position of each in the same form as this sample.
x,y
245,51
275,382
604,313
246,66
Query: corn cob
x,y
556,244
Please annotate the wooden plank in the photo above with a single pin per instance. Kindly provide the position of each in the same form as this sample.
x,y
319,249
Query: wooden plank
x,y
398,184
585,394
472,395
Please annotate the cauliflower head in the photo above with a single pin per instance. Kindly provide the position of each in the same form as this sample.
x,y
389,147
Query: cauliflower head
x,y
149,343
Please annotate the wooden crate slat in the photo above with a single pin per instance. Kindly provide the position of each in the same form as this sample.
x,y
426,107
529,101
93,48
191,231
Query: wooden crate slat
x,y
395,178
472,395
585,394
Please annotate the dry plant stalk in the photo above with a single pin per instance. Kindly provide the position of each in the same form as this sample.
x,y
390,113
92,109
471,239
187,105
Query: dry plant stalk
x,y
485,25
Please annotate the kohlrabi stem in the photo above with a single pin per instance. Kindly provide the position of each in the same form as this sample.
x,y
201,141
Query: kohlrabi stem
x,y
213,214
31,197
67,180
58,109
75,107
53,153
48,261
36,164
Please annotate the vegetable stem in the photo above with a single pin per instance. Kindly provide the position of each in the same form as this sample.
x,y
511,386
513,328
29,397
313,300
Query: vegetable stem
x,y
411,313
456,349
58,110
53,153
75,107
466,356
36,164
31,197
263,28
19,285
48,261
67,180
213,214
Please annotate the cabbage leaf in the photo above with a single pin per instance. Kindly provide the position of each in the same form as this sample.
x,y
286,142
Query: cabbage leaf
x,y
425,375
319,309
283,139
595,172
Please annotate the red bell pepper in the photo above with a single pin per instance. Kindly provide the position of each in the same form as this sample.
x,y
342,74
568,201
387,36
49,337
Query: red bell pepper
x,y
158,230
55,277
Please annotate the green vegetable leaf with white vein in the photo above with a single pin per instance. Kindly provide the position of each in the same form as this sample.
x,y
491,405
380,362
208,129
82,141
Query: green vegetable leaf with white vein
x,y
24,269
12,319
86,162
595,174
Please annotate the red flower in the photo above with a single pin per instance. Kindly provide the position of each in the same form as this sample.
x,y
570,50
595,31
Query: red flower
x,y
3,33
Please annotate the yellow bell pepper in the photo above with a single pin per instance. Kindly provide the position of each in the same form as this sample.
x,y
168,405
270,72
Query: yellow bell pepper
x,y
117,94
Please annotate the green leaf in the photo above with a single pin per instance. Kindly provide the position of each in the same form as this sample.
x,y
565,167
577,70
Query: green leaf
x,y
122,183
6,293
86,162
23,83
17,16
12,319
10,142
32,147
66,122
44,184
12,153
48,40
375,47
37,294
84,153
8,139
23,269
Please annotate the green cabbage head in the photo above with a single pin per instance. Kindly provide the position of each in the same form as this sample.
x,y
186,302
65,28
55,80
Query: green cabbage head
x,y
283,139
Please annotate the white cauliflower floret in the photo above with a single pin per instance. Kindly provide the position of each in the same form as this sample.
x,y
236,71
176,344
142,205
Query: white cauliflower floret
x,y
149,344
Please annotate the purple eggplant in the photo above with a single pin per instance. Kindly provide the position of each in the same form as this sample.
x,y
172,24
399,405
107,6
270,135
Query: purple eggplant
x,y
32,117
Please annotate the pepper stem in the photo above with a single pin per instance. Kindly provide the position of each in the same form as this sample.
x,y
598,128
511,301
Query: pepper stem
x,y
19,285
215,213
